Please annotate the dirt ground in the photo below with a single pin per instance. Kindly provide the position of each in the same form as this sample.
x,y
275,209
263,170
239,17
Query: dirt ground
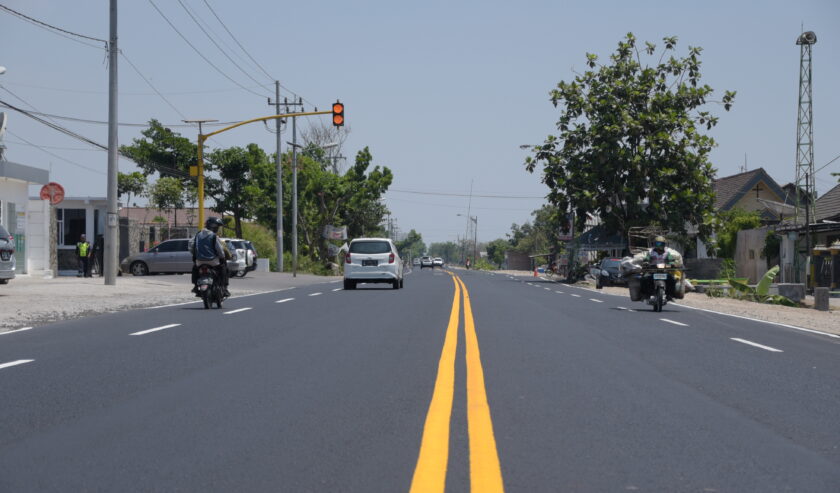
x,y
805,317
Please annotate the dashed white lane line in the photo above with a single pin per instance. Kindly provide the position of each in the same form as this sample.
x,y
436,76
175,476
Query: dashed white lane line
x,y
560,292
620,308
547,289
284,300
237,311
16,330
164,327
337,289
315,294
15,363
576,295
596,301
766,348
674,322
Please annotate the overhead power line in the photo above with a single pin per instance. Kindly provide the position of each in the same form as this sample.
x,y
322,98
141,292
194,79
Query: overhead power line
x,y
201,54
122,124
237,41
42,149
129,93
54,29
149,83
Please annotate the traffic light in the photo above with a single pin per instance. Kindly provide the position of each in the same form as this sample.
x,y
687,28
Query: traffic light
x,y
338,114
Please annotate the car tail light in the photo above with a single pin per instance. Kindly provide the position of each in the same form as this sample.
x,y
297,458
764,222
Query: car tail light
x,y
391,258
347,258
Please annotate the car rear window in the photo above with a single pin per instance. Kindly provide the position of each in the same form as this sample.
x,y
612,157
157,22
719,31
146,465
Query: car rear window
x,y
370,247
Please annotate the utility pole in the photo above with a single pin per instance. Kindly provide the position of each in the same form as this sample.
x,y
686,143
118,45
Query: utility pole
x,y
294,195
467,234
111,228
279,165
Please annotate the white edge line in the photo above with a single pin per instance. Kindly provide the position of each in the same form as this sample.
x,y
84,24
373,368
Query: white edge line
x,y
164,327
232,297
236,311
559,292
835,336
673,322
337,289
15,363
768,348
16,330
284,300
316,294
576,295
596,301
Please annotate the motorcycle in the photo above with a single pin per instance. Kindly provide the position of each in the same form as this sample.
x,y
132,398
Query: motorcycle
x,y
208,287
657,285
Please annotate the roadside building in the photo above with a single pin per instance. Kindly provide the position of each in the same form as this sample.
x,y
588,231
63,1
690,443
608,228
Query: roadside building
x,y
25,219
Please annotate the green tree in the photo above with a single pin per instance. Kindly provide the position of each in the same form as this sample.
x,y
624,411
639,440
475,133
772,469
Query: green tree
x,y
448,251
167,194
232,188
728,225
630,147
539,236
162,151
496,251
412,246
129,184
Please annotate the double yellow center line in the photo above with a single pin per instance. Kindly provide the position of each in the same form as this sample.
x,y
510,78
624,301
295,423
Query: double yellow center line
x,y
485,472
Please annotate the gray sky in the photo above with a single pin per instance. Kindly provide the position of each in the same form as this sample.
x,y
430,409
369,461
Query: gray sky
x,y
442,92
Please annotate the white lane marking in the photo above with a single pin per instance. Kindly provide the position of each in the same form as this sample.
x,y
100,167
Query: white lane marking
x,y
803,329
559,292
620,308
547,289
164,327
337,289
596,301
237,311
15,363
529,283
284,300
16,330
333,282
576,295
768,348
232,297
315,294
673,322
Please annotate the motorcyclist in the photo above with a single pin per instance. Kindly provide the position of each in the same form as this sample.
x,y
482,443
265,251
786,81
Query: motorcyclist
x,y
208,249
661,254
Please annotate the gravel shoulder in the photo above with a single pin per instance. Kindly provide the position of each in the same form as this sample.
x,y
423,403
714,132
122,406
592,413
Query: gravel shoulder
x,y
805,317
28,301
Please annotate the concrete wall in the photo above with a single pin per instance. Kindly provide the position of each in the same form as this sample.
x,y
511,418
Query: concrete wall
x,y
38,237
749,259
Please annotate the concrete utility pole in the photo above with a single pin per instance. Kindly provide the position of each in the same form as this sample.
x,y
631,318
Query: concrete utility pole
x,y
279,165
112,224
294,198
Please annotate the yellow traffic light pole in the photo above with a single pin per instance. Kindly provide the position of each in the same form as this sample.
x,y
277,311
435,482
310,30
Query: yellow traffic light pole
x,y
199,171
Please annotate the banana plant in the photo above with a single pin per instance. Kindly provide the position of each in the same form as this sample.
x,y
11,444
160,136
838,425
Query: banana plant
x,y
760,292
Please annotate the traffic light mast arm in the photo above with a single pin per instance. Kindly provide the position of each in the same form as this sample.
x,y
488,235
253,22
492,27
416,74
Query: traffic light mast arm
x,y
266,118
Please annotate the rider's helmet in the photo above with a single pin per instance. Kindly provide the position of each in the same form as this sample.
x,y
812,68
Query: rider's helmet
x,y
659,244
213,224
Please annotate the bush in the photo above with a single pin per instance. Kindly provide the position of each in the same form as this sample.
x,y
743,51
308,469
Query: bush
x,y
483,264
263,240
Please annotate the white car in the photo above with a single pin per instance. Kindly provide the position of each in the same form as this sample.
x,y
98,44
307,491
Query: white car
x,y
372,260
437,262
426,262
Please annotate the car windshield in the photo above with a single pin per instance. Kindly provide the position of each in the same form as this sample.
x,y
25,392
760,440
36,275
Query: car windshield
x,y
370,247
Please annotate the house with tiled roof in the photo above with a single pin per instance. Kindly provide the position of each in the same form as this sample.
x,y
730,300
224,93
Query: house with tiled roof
x,y
753,190
827,207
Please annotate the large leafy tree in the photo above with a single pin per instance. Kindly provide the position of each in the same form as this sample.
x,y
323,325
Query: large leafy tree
x,y
162,151
538,236
496,251
232,185
630,146
167,194
129,184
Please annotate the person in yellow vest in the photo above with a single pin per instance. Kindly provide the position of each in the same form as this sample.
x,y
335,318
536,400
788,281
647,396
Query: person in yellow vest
x,y
83,253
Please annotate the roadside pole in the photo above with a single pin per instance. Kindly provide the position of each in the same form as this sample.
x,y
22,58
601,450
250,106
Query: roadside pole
x,y
294,199
111,226
279,166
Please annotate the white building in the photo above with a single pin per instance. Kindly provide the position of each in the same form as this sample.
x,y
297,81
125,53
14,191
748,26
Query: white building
x,y
27,220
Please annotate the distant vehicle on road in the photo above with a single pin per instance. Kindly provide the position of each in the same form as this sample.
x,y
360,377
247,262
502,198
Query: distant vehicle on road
x,y
608,273
426,261
416,261
7,256
437,262
372,260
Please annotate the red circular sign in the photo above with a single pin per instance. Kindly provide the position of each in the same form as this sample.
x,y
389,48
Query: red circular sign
x,y
53,192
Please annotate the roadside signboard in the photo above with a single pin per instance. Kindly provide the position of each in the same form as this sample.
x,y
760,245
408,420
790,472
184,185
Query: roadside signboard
x,y
53,192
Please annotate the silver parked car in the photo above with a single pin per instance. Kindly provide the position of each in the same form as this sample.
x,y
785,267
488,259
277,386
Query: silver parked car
x,y
7,256
170,256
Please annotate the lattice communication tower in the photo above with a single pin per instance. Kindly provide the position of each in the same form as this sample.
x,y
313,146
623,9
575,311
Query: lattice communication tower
x,y
805,129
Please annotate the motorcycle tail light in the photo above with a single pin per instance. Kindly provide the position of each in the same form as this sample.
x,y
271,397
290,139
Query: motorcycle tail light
x,y
391,258
347,258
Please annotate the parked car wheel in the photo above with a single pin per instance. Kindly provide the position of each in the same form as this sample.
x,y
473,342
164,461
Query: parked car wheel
x,y
349,284
241,273
396,284
4,281
139,269
401,283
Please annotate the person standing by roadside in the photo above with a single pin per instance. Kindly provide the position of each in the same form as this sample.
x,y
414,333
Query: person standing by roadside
x,y
83,253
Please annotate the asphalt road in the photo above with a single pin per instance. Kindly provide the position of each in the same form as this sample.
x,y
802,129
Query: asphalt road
x,y
496,383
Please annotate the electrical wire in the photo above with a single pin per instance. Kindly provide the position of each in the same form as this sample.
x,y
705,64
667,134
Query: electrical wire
x,y
122,124
826,164
54,29
199,52
237,41
170,93
56,155
130,63
58,148
189,13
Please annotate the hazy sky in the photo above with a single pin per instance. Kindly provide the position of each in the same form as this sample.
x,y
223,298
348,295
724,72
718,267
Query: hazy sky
x,y
443,93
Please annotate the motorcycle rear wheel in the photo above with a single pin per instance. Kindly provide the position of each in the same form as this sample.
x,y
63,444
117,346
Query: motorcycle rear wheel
x,y
660,299
205,297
